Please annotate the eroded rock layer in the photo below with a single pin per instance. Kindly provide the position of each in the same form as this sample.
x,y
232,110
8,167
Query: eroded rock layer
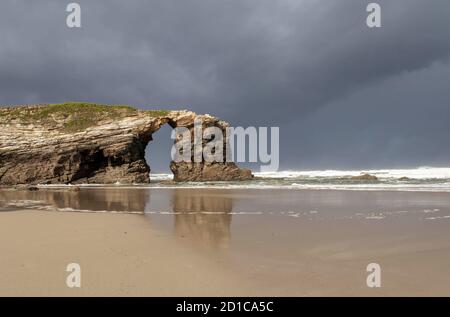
x,y
44,144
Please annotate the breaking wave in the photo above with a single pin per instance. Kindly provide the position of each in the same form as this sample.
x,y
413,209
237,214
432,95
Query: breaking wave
x,y
428,179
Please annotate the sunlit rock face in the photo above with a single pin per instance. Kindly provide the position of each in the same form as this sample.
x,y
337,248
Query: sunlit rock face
x,y
205,171
88,143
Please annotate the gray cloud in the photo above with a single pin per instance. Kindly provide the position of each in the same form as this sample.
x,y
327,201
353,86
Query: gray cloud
x,y
294,63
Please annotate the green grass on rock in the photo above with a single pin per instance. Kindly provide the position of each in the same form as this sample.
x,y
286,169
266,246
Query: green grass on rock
x,y
73,116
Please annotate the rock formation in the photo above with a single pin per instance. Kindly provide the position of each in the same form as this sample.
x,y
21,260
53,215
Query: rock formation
x,y
365,177
88,143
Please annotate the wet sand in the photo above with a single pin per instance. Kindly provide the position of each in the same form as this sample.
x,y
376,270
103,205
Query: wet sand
x,y
119,255
223,242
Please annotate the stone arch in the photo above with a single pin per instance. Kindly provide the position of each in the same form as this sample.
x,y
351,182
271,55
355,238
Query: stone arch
x,y
203,171
109,151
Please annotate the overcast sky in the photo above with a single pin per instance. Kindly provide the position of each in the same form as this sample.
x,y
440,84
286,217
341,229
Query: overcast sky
x,y
343,95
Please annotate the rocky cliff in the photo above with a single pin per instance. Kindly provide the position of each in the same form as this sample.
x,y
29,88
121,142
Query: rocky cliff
x,y
89,143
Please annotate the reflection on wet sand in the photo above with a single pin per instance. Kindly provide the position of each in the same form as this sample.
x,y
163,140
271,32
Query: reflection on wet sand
x,y
203,218
108,199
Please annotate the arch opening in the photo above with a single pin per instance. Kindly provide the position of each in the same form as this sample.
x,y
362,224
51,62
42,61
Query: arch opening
x,y
158,153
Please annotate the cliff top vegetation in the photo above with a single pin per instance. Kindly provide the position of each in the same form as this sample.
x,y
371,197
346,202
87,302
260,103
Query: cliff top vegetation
x,y
73,116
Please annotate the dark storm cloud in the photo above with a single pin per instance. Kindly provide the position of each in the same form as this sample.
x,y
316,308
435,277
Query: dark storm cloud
x,y
399,122
253,62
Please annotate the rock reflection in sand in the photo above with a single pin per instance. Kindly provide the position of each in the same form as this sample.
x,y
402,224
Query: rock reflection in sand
x,y
203,218
85,200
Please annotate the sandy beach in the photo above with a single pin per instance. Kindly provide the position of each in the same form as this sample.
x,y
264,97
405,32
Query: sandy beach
x,y
119,255
217,242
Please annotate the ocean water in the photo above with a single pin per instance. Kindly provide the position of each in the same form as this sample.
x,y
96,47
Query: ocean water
x,y
417,179
426,179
